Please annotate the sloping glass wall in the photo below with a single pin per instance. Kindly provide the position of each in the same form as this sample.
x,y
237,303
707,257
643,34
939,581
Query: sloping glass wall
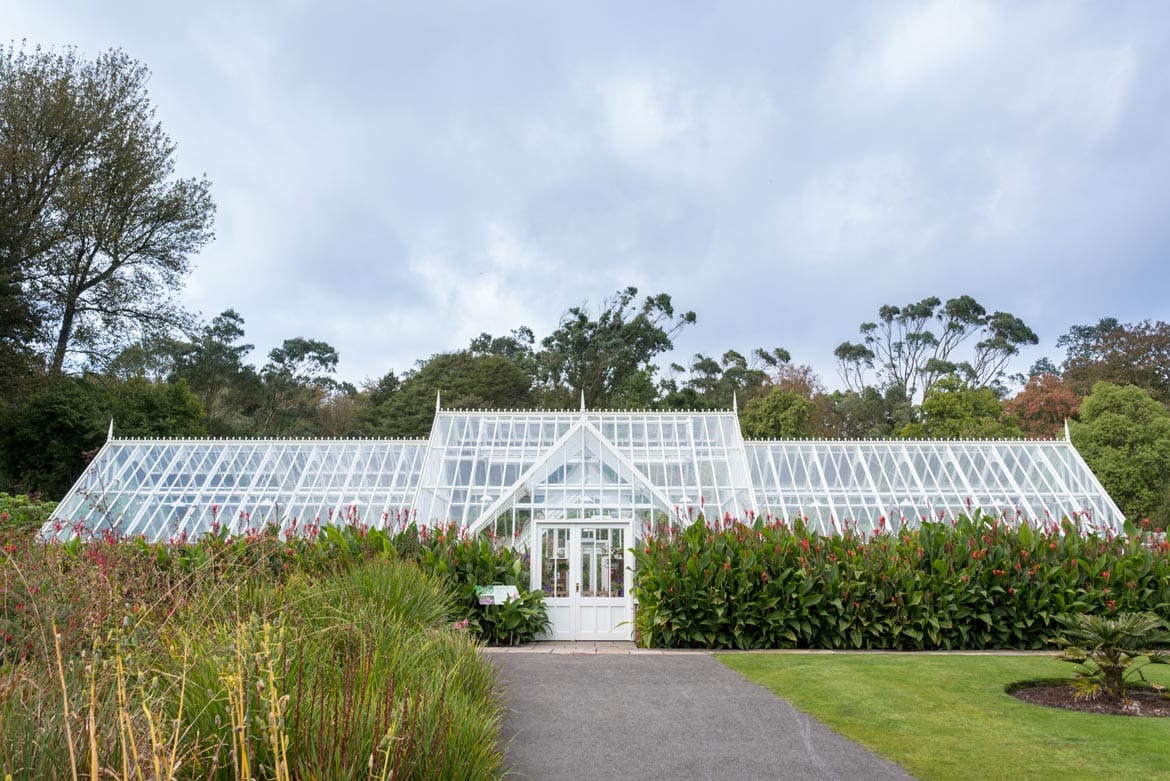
x,y
166,488
831,482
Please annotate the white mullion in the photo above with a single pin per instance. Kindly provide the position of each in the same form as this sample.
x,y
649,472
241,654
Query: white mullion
x,y
378,485
1018,493
263,450
146,510
104,491
875,491
918,484
280,495
970,489
208,495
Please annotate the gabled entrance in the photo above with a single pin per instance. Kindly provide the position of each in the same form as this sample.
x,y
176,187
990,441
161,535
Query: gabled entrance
x,y
582,503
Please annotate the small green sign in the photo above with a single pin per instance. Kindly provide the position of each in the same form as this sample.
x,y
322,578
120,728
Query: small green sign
x,y
496,594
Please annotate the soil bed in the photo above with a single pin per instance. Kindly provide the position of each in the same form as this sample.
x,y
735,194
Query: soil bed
x,y
1144,702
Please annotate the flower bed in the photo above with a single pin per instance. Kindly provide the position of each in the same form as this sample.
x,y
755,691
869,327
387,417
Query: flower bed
x,y
976,582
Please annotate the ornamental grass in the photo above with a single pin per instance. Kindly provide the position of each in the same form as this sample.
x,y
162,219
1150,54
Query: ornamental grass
x,y
231,659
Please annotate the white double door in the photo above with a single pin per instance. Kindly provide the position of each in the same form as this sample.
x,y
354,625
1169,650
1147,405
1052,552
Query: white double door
x,y
582,569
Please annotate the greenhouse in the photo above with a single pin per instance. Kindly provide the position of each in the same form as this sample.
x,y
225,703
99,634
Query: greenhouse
x,y
574,489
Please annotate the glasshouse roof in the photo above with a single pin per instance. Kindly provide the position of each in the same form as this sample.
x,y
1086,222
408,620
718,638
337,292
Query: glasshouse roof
x,y
503,470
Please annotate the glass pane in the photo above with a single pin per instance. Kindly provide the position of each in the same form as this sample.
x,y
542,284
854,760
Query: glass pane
x,y
617,562
554,562
602,563
589,564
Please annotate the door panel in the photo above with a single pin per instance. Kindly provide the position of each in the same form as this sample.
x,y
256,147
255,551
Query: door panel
x,y
601,607
556,579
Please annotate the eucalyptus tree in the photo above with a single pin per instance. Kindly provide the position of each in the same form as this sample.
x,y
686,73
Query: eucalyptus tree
x,y
213,363
718,384
911,347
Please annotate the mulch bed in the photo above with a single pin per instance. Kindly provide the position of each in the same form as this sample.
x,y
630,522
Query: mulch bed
x,y
1145,703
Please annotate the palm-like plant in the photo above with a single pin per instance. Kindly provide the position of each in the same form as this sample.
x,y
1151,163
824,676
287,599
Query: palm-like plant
x,y
1111,650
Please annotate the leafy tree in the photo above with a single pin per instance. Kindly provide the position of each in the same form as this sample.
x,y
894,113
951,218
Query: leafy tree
x,y
782,414
952,409
715,384
46,441
799,379
1041,366
212,364
296,380
142,408
149,359
96,230
337,413
603,357
1124,437
465,381
1080,341
379,392
1121,354
1043,406
519,347
912,346
864,414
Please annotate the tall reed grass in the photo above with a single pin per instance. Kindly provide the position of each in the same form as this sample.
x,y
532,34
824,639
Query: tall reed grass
x,y
120,662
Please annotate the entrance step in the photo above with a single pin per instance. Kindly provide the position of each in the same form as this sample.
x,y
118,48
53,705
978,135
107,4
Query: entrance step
x,y
583,648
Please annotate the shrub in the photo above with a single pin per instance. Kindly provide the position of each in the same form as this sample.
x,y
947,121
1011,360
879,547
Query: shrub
x,y
461,561
466,562
1110,651
22,515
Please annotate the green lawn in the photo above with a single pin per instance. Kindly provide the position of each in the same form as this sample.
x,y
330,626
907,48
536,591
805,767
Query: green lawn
x,y
947,716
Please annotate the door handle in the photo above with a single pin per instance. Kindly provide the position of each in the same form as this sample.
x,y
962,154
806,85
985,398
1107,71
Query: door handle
x,y
578,587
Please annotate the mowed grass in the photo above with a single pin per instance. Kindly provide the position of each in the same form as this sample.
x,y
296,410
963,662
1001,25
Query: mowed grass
x,y
948,717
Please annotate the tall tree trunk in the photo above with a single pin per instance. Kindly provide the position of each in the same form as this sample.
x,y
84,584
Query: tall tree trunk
x,y
67,317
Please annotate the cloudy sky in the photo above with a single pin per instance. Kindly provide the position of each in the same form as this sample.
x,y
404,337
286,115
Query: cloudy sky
x,y
396,178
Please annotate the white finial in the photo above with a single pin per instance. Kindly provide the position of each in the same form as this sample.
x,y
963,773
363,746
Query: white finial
x,y
110,435
437,401
582,401
1067,436
734,402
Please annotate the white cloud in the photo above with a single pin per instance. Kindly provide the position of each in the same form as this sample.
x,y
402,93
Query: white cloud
x,y
1079,93
860,209
486,286
928,45
1010,201
701,133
